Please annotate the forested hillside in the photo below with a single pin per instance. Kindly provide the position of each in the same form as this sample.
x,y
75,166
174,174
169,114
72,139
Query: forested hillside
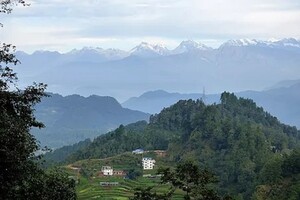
x,y
235,139
125,139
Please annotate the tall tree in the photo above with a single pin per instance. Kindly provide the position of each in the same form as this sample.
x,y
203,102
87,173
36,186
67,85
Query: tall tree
x,y
194,182
21,176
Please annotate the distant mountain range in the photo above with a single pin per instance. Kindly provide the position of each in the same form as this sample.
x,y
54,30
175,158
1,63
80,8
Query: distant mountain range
x,y
282,100
236,65
155,101
145,49
74,118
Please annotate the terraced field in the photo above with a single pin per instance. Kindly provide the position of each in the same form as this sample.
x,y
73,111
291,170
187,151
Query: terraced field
x,y
89,187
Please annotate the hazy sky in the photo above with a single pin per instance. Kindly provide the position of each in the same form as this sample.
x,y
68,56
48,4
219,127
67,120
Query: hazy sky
x,y
66,24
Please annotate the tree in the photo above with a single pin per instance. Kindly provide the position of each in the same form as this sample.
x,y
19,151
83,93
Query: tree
x,y
134,173
196,183
21,176
6,6
280,178
291,164
271,173
147,194
189,178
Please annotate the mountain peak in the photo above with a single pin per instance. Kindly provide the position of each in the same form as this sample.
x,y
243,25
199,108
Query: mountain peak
x,y
155,93
288,42
189,45
87,50
193,44
110,54
149,50
240,42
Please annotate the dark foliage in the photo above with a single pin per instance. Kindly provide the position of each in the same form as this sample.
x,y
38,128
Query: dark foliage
x,y
280,178
20,174
147,194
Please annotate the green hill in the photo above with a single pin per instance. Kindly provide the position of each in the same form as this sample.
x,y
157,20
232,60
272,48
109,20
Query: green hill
x,y
73,118
235,139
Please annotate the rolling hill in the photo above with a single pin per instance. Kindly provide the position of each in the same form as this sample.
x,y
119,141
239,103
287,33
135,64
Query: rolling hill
x,y
73,118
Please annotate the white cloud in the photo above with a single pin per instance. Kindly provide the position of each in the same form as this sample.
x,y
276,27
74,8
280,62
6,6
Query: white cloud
x,y
78,23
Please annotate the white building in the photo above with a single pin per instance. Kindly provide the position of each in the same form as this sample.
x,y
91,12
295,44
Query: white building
x,y
148,163
107,170
138,151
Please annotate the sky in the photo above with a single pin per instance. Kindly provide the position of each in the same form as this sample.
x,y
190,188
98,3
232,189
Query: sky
x,y
63,25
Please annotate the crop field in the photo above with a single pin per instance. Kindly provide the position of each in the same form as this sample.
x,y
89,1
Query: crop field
x,y
91,189
88,186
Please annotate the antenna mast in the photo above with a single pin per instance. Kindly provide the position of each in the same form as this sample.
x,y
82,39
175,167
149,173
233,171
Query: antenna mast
x,y
204,96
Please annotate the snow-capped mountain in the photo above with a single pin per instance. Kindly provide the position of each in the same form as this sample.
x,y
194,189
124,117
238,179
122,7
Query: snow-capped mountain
x,y
109,54
85,50
114,54
149,50
240,43
190,46
286,42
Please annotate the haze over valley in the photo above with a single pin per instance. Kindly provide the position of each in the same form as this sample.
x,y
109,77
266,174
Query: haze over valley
x,y
237,65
